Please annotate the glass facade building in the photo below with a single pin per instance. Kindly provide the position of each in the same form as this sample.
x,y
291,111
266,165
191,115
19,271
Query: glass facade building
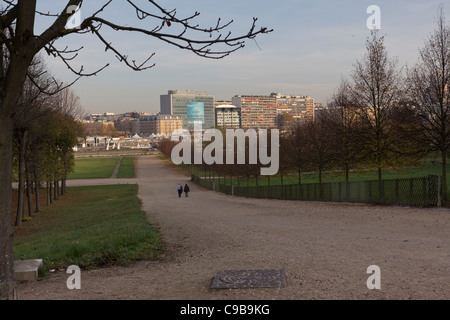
x,y
192,106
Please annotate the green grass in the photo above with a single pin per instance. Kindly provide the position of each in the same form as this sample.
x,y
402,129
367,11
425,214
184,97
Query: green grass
x,y
89,227
94,168
126,169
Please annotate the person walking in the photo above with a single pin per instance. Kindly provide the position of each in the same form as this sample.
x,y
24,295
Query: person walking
x,y
180,190
186,190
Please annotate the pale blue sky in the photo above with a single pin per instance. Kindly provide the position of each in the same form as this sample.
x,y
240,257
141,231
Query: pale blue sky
x,y
314,44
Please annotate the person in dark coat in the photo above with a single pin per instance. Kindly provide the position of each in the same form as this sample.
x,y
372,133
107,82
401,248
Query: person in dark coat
x,y
186,190
180,190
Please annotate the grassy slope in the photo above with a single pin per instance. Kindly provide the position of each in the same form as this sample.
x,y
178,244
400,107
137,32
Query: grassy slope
x,y
89,227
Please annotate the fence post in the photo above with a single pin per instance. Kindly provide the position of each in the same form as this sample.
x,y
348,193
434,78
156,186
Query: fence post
x,y
300,186
396,192
424,192
411,190
359,191
439,187
347,190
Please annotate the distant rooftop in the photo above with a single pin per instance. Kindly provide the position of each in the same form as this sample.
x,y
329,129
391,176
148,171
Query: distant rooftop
x,y
188,92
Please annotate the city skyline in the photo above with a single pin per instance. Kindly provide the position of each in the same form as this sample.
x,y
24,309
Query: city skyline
x,y
314,44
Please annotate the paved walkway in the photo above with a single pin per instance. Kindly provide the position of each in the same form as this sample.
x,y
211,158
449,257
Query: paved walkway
x,y
324,248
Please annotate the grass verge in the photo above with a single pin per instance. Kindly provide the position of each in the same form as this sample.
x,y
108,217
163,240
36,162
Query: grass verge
x,y
89,227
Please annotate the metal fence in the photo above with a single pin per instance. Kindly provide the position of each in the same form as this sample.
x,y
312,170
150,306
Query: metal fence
x,y
417,192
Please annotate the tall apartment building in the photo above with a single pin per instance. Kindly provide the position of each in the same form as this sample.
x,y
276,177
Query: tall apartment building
x,y
301,107
228,116
257,112
194,107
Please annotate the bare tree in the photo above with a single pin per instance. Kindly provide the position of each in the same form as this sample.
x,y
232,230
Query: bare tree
x,y
317,145
292,145
32,102
342,122
429,83
376,88
19,43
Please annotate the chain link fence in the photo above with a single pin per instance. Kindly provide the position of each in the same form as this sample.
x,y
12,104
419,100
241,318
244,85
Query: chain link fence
x,y
417,192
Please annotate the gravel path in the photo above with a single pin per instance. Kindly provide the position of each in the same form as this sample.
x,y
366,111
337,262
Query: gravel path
x,y
324,249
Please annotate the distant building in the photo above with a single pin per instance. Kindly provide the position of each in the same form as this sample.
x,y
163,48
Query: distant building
x,y
228,116
257,112
101,118
301,107
194,107
222,103
158,125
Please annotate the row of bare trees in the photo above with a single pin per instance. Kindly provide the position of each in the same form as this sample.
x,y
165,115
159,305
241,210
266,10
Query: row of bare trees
x,y
382,116
45,131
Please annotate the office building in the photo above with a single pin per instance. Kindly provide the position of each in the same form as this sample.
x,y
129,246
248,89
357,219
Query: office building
x,y
194,107
228,116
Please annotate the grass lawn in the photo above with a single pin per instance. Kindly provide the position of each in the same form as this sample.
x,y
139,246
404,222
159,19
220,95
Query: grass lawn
x,y
94,168
126,169
89,227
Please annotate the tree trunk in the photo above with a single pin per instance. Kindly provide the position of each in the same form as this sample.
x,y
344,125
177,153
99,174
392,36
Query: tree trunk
x,y
320,175
56,187
37,186
29,195
7,275
50,192
64,185
21,196
444,175
29,192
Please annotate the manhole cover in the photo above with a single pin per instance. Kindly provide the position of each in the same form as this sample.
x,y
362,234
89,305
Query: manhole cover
x,y
249,279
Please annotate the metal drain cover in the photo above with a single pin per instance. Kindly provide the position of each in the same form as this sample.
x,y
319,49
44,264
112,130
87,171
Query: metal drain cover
x,y
249,279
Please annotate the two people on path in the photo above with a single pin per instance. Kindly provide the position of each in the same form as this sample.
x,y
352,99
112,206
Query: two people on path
x,y
180,190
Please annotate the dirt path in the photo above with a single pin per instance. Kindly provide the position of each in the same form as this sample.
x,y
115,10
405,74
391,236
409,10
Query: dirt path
x,y
116,169
324,249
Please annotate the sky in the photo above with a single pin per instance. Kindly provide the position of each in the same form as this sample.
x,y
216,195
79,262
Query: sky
x,y
314,44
